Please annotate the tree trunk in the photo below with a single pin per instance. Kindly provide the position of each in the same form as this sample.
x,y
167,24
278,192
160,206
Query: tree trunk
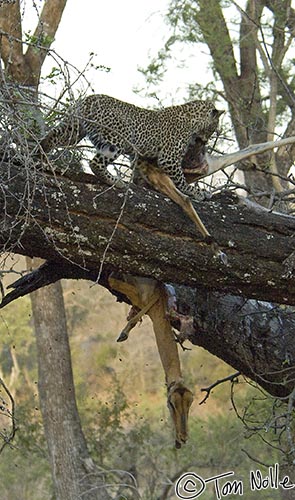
x,y
69,457
70,461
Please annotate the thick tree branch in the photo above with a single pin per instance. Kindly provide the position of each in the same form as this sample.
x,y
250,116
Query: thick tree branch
x,y
78,225
255,338
242,90
248,34
26,68
141,232
210,18
45,32
10,23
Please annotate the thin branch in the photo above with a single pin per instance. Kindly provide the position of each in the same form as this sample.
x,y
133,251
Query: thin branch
x,y
7,439
208,389
255,459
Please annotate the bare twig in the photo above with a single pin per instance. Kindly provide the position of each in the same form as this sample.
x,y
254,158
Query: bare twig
x,y
208,389
8,437
255,459
289,430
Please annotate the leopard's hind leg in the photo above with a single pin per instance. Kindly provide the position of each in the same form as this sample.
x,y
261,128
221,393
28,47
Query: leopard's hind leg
x,y
68,133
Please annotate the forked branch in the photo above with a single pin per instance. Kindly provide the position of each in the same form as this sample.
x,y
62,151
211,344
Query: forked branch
x,y
208,389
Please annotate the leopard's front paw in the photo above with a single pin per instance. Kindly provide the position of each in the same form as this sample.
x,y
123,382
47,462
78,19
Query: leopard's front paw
x,y
202,195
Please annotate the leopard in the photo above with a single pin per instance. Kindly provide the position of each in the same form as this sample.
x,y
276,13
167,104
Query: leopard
x,y
114,127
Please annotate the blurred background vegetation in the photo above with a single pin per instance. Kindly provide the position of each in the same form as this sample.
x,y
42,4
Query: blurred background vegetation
x,y
122,402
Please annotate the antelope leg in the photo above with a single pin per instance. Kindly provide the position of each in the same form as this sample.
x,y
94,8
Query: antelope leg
x,y
165,185
151,298
134,319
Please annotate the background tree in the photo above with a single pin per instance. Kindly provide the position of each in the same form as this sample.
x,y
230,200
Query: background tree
x,y
70,461
252,72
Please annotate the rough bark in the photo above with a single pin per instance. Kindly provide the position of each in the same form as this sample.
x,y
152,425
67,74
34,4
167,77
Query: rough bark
x,y
70,461
141,232
22,66
255,338
72,469
74,230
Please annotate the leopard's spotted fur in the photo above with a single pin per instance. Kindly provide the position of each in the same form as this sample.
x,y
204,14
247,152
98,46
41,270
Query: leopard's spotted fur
x,y
116,127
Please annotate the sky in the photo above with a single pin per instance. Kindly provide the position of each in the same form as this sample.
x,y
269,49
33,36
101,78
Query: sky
x,y
123,35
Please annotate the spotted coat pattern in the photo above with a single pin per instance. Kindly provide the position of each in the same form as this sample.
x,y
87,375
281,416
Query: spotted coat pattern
x,y
115,127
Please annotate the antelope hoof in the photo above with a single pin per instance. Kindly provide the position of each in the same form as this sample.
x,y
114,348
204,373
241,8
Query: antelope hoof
x,y
122,337
218,254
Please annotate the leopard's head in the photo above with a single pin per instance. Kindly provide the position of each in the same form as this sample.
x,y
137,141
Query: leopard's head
x,y
210,122
205,118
